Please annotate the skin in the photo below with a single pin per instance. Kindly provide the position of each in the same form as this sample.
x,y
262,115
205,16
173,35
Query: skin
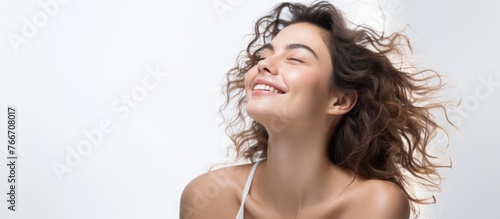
x,y
297,180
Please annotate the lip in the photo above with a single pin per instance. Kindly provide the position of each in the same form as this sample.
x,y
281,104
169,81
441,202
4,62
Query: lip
x,y
262,81
263,92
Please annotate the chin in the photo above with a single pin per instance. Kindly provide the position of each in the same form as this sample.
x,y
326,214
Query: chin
x,y
259,112
268,116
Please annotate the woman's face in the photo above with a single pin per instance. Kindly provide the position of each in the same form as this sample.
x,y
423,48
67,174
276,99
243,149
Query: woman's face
x,y
291,81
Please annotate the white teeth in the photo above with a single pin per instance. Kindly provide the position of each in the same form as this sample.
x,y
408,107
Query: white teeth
x,y
265,87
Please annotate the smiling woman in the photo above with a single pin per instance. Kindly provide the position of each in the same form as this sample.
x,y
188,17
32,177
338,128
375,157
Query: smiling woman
x,y
336,127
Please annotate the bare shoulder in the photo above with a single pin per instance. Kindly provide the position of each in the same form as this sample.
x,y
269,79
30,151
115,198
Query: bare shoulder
x,y
214,194
379,199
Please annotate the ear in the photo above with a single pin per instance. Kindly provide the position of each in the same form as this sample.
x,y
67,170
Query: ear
x,y
342,101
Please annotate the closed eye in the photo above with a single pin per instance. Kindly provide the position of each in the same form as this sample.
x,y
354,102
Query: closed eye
x,y
297,60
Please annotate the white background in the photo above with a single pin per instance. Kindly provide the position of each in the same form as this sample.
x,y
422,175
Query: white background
x,y
66,76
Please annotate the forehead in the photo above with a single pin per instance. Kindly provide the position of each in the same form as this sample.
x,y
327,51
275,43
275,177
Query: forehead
x,y
303,33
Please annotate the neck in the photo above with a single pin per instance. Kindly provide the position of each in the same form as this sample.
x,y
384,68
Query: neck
x,y
298,172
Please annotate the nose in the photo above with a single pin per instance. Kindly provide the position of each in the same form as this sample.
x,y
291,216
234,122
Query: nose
x,y
267,65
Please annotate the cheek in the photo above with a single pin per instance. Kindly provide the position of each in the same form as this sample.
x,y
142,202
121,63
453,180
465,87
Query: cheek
x,y
312,89
306,83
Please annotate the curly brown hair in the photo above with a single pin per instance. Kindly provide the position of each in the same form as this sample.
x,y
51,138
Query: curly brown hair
x,y
387,133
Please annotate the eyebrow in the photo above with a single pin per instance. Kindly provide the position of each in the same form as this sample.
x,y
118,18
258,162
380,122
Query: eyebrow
x,y
290,47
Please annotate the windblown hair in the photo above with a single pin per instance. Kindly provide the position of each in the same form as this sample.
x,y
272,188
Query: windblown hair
x,y
387,133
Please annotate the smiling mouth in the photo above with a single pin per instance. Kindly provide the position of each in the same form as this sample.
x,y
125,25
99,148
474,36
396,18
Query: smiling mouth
x,y
265,87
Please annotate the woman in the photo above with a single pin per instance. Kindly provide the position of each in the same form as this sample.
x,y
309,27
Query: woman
x,y
335,127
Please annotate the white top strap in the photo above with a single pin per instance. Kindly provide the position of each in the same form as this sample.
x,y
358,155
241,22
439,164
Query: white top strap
x,y
245,191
